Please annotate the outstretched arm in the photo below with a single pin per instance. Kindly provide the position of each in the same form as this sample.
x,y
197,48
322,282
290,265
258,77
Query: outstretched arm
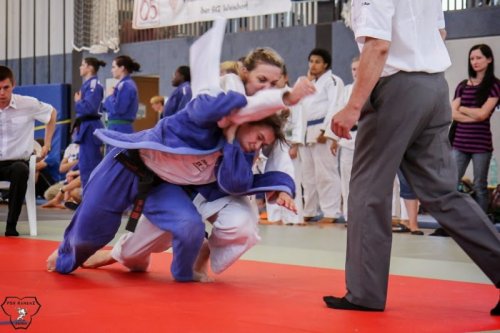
x,y
269,101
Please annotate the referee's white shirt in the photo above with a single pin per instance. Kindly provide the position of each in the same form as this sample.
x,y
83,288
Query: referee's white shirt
x,y
412,27
17,125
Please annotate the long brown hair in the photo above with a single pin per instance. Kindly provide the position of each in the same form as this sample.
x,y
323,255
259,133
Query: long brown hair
x,y
276,122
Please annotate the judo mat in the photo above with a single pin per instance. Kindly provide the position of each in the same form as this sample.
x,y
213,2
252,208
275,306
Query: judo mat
x,y
249,297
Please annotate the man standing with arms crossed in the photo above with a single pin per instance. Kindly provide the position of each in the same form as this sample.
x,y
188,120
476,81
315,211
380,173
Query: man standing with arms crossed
x,y
17,120
402,102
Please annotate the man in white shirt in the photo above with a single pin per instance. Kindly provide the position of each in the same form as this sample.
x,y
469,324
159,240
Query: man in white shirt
x,y
17,122
320,168
401,101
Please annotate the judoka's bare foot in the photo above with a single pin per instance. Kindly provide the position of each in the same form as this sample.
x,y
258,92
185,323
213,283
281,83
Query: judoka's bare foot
x,y
200,267
99,259
202,277
53,205
51,261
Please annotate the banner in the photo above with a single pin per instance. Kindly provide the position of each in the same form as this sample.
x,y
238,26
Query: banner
x,y
161,13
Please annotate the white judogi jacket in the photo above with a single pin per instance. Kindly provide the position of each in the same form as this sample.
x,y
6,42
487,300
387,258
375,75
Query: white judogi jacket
x,y
318,109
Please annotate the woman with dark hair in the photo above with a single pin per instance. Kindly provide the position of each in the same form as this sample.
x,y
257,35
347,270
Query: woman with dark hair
x,y
122,104
472,107
181,80
88,103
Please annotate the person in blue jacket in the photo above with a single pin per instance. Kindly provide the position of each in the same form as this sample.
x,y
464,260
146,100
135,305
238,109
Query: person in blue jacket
x,y
122,104
182,94
88,104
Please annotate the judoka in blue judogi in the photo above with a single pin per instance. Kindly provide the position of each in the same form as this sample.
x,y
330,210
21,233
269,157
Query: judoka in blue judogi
x,y
88,107
122,105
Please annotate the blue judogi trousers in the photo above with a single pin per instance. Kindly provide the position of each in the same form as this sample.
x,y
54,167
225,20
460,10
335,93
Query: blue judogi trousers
x,y
89,156
112,189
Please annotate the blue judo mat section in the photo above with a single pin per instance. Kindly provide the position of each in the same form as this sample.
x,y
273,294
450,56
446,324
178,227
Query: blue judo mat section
x,y
59,96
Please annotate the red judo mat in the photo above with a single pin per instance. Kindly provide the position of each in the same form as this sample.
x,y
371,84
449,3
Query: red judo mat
x,y
249,297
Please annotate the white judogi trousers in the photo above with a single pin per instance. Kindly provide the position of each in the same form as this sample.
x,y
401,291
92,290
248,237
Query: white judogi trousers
x,y
234,232
321,180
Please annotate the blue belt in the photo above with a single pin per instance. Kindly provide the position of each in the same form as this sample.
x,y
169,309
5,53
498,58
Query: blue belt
x,y
315,121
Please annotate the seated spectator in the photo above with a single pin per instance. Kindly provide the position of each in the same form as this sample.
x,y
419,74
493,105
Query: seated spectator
x,y
70,193
411,204
44,178
68,163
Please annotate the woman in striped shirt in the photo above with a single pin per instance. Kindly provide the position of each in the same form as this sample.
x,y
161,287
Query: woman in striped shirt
x,y
473,104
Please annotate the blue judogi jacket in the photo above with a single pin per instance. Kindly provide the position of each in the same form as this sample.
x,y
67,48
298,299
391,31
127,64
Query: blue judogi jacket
x,y
88,108
178,99
124,102
194,131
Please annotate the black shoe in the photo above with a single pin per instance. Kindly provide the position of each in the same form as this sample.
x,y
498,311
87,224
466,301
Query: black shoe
x,y
496,310
71,205
343,304
11,232
440,232
400,228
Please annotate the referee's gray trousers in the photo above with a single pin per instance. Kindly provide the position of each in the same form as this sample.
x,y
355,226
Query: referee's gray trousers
x,y
406,123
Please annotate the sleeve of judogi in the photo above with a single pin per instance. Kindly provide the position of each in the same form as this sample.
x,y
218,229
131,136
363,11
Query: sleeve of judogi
x,y
206,110
234,172
296,124
335,94
260,105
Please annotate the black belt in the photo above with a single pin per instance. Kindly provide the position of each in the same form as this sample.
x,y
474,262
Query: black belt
x,y
82,119
147,180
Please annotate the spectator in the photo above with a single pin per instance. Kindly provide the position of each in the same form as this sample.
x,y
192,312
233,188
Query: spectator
x,y
474,102
44,178
54,195
293,116
19,114
157,104
182,94
411,205
344,147
122,102
88,104
320,175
